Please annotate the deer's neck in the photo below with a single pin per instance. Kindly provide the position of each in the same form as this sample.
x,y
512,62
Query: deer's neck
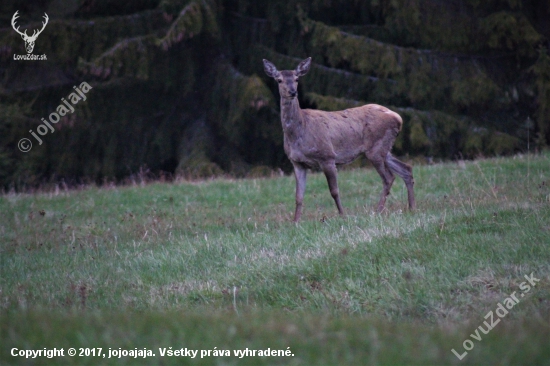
x,y
291,116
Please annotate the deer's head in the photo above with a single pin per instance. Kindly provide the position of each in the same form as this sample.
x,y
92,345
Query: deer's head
x,y
287,79
29,40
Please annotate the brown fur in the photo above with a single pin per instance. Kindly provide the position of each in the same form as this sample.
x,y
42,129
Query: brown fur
x,y
320,139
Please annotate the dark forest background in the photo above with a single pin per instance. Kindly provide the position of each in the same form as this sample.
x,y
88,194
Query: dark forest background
x,y
179,88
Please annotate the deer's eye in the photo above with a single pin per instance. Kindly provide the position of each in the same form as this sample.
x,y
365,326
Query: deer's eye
x,y
279,80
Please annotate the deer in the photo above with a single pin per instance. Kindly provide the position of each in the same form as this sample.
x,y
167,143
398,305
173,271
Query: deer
x,y
29,40
316,139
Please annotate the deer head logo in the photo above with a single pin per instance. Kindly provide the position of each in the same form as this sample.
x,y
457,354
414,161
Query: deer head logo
x,y
29,40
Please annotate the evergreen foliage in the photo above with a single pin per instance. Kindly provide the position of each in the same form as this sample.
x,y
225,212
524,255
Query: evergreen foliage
x,y
178,85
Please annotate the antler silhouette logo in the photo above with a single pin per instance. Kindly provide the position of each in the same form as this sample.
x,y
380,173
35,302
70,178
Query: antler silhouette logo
x,y
29,40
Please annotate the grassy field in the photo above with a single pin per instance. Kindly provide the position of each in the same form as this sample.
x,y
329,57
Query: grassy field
x,y
219,266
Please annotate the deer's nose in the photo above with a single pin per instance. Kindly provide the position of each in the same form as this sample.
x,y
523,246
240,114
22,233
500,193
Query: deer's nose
x,y
292,93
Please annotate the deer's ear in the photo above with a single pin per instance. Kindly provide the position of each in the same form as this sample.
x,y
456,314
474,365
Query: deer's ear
x,y
303,67
270,69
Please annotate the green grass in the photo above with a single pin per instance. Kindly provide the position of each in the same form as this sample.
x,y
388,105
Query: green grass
x,y
219,264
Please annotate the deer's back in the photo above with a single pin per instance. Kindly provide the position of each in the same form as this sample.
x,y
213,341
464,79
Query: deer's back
x,y
344,135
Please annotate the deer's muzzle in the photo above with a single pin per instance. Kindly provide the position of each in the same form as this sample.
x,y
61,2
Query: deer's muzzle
x,y
29,46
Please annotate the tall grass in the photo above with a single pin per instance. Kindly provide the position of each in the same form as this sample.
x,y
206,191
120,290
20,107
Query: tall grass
x,y
219,263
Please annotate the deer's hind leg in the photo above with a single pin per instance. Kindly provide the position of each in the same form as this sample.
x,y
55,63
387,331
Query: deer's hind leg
x,y
404,171
387,178
377,153
331,173
300,173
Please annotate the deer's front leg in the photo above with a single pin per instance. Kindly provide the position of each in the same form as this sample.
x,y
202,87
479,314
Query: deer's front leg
x,y
331,173
300,173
